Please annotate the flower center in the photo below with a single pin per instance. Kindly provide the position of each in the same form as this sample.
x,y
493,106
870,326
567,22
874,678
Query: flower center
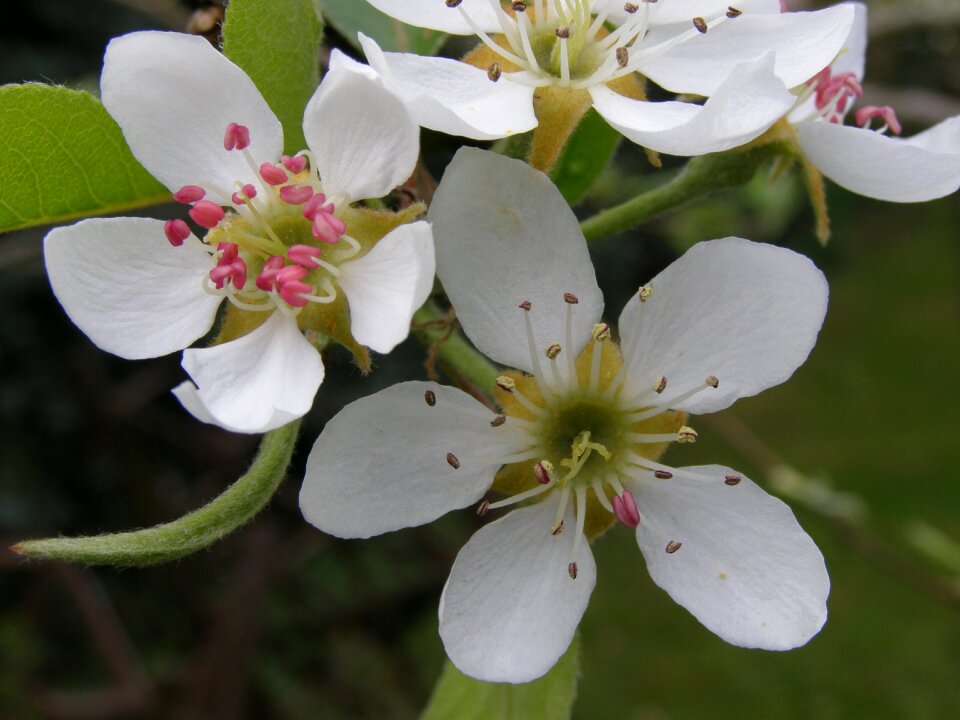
x,y
567,43
279,244
584,433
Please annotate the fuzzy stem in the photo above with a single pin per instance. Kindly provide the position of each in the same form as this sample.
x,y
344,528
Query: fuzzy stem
x,y
701,176
453,350
195,531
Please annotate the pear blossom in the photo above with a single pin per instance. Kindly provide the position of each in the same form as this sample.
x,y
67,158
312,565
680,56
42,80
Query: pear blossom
x,y
580,428
741,57
867,158
282,244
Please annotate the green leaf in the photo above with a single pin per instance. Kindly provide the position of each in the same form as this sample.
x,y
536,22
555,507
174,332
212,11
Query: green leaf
x,y
278,45
458,697
63,157
352,16
233,508
586,155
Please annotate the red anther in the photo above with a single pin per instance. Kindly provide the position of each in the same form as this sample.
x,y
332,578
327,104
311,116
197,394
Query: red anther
x,y
239,273
189,194
228,252
294,164
296,194
176,231
315,205
273,174
886,113
327,227
292,293
249,190
625,509
267,279
304,255
238,199
237,137
206,214
291,273
219,274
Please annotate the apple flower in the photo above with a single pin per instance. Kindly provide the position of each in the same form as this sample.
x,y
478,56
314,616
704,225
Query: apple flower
x,y
580,428
282,244
867,158
546,62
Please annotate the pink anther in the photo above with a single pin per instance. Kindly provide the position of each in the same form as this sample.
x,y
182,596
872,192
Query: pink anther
x,y
267,279
237,137
294,164
327,227
245,195
838,91
304,255
296,194
625,509
235,271
315,205
290,274
273,174
189,194
886,113
228,252
293,292
206,214
176,231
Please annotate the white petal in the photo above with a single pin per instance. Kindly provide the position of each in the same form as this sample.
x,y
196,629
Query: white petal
x,y
388,284
745,568
435,15
745,312
452,97
186,392
510,608
258,382
362,137
886,168
853,57
127,288
804,42
683,11
504,235
381,463
744,106
173,96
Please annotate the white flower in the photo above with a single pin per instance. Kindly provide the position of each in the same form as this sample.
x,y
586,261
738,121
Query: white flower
x,y
866,159
283,253
740,57
582,427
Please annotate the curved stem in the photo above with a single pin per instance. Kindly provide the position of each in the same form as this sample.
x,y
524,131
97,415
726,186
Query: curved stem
x,y
195,531
701,176
433,330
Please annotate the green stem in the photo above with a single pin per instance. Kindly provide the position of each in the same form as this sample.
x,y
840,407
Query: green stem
x,y
701,176
453,350
236,506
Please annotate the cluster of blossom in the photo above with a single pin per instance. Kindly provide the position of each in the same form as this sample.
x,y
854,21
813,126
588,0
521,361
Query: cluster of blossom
x,y
289,258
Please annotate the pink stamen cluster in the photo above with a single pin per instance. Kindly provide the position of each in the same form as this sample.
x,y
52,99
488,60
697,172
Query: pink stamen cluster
x,y
287,280
230,267
625,509
835,92
886,113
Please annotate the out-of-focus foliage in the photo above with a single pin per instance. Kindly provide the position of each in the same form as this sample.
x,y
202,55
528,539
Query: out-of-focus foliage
x,y
350,17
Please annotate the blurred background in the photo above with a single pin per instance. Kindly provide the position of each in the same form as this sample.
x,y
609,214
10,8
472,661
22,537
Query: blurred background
x,y
280,621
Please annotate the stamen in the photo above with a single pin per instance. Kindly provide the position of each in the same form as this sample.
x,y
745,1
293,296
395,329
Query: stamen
x,y
296,194
176,231
733,12
295,165
236,137
543,471
453,461
700,24
581,501
498,421
206,214
867,113
304,255
431,397
483,508
485,39
601,495
564,57
687,435
710,382
731,479
519,497
327,227
507,384
625,509
273,174
570,300
189,194
526,306
673,546
643,295
523,23
558,522
494,72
